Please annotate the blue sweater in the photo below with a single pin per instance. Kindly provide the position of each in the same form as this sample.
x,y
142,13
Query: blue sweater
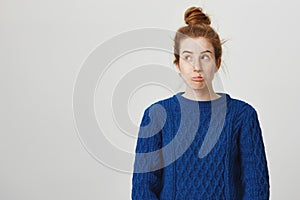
x,y
190,149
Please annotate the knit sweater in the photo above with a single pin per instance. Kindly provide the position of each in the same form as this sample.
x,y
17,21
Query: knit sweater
x,y
189,149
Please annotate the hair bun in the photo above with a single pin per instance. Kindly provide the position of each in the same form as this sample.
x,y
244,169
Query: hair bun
x,y
194,15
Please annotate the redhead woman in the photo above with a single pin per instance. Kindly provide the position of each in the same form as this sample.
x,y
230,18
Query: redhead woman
x,y
198,143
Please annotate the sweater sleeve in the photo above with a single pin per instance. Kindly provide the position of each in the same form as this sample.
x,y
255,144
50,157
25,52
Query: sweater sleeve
x,y
254,169
146,179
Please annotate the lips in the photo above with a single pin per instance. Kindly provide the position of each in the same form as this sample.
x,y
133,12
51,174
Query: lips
x,y
197,78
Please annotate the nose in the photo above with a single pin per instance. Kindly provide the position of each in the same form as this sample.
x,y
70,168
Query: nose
x,y
197,66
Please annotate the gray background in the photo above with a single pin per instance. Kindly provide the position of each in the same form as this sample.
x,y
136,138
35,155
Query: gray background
x,y
44,43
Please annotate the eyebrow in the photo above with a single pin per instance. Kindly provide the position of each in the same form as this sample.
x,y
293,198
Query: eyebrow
x,y
185,51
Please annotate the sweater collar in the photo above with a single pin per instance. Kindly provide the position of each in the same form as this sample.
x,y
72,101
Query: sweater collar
x,y
225,98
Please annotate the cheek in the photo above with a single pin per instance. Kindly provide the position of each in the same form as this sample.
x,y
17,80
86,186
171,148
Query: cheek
x,y
185,69
209,72
209,68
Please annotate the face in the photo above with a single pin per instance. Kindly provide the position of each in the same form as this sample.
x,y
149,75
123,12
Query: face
x,y
197,64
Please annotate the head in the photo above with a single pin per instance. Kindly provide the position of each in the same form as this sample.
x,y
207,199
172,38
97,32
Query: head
x,y
197,48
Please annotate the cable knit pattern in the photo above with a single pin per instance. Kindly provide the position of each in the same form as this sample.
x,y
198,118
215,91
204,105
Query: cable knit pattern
x,y
190,149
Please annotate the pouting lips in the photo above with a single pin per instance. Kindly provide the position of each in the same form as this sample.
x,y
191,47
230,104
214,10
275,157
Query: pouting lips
x,y
197,78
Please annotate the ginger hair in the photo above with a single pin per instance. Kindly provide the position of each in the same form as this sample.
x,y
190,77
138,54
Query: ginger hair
x,y
198,25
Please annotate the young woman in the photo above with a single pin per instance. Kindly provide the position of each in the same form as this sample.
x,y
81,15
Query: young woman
x,y
199,144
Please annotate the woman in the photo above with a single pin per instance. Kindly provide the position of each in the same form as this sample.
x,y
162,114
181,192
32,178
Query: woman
x,y
200,144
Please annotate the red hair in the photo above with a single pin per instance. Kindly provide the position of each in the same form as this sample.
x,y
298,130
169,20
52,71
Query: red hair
x,y
198,25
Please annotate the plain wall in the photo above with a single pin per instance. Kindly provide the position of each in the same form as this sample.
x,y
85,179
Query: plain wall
x,y
45,43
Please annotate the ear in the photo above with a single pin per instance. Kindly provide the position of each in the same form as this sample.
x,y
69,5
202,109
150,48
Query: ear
x,y
218,64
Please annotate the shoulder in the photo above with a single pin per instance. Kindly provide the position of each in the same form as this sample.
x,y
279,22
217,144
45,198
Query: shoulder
x,y
157,105
158,109
242,106
244,112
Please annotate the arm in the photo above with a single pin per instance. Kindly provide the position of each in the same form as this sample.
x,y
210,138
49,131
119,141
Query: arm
x,y
254,169
146,179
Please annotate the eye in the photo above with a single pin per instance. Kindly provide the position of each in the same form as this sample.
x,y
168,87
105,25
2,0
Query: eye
x,y
188,58
205,57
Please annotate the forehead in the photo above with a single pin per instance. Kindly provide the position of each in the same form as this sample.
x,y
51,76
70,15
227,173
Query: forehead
x,y
195,45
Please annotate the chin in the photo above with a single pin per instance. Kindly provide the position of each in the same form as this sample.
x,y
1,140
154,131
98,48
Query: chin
x,y
197,86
